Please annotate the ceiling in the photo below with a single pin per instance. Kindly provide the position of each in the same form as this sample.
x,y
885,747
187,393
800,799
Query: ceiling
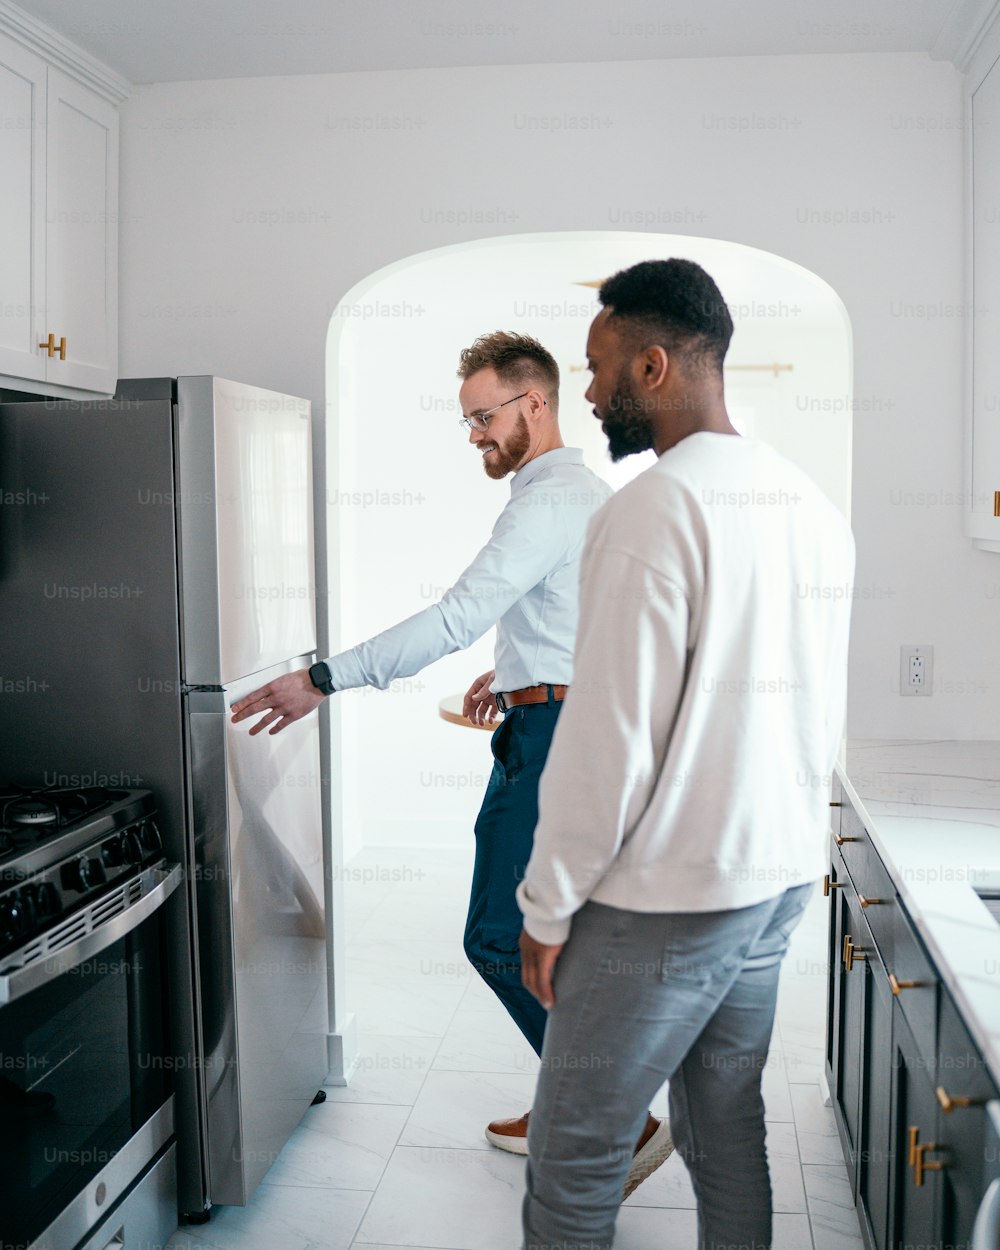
x,y
175,40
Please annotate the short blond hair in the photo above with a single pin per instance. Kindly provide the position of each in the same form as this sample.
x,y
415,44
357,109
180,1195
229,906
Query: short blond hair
x,y
518,359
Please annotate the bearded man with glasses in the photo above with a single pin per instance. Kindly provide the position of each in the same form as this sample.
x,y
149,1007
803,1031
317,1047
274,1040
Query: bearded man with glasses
x,y
524,582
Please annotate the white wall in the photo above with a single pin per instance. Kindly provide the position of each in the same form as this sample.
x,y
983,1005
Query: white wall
x,y
251,206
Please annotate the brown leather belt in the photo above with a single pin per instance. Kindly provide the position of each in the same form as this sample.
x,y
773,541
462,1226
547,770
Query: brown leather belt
x,y
530,694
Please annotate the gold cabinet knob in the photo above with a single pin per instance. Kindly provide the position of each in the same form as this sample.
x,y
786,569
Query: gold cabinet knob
x,y
840,840
829,885
868,902
897,987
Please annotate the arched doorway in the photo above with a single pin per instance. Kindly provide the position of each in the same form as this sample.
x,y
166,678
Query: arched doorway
x,y
408,504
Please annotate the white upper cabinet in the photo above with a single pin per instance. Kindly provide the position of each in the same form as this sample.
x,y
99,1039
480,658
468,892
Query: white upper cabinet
x,y
58,225
983,276
81,217
22,209
984,503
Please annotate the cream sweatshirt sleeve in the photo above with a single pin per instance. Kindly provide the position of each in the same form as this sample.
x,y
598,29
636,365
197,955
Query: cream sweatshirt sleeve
x,y
612,734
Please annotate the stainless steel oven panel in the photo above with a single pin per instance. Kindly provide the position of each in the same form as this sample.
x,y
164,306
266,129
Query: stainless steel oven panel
x,y
108,1186
156,885
148,1216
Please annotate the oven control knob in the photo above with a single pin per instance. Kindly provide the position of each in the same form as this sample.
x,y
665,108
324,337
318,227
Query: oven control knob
x,y
46,901
150,836
12,917
131,847
86,874
29,907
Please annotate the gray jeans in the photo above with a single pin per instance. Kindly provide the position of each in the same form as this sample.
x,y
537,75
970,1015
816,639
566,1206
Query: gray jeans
x,y
642,997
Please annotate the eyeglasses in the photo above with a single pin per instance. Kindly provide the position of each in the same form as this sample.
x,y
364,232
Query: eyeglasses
x,y
481,420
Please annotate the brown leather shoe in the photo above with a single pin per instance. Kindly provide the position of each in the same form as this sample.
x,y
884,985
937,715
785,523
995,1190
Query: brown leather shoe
x,y
509,1135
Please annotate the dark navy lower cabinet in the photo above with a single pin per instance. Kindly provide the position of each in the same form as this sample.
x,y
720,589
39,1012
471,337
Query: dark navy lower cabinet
x,y
916,1107
877,1153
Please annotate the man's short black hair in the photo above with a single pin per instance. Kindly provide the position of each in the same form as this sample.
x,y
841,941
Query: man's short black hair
x,y
674,304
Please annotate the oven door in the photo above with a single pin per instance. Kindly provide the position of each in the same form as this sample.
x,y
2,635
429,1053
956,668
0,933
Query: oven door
x,y
85,1069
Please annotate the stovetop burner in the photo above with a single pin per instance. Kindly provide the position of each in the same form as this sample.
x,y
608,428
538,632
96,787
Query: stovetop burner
x,y
61,847
49,808
31,812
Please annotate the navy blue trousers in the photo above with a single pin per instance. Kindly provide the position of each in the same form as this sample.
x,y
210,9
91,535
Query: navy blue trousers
x,y
505,830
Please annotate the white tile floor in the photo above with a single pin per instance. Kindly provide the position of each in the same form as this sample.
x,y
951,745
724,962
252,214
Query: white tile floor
x,y
398,1158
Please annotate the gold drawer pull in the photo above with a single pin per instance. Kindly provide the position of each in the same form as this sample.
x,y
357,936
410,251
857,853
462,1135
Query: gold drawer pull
x,y
829,885
911,1155
50,346
948,1104
832,804
840,840
920,1167
868,902
897,987
851,953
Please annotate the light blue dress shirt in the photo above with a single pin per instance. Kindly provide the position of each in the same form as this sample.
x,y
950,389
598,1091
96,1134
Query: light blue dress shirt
x,y
524,581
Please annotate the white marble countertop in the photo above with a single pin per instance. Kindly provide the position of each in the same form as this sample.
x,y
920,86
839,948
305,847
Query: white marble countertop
x,y
933,809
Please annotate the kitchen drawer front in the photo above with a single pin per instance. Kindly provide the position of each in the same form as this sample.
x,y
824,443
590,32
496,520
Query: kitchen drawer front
x,y
863,947
876,892
915,984
878,900
837,801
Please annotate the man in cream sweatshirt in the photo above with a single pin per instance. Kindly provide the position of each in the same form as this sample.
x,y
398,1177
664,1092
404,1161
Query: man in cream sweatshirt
x,y
682,810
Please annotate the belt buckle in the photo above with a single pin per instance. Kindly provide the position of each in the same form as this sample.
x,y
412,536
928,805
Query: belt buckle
x,y
501,703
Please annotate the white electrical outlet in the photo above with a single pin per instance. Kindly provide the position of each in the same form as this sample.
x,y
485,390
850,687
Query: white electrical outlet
x,y
916,669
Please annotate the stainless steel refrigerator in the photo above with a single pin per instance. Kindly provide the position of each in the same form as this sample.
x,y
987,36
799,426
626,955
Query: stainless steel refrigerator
x,y
156,563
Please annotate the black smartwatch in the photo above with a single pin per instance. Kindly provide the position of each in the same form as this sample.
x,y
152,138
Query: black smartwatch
x,y
319,675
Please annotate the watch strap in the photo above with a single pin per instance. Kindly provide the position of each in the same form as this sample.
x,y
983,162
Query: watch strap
x,y
321,677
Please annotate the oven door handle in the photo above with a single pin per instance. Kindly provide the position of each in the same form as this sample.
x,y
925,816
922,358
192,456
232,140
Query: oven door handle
x,y
21,981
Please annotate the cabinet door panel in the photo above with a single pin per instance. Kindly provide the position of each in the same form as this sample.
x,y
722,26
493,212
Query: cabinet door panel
x,y
986,303
964,1089
914,1208
851,988
82,234
22,209
877,1151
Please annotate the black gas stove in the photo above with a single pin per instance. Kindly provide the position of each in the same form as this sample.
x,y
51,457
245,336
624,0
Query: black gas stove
x,y
62,848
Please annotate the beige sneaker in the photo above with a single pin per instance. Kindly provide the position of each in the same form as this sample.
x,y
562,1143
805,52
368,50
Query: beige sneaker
x,y
655,1147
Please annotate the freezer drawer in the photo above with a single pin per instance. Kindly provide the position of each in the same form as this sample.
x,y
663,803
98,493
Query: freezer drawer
x,y
262,952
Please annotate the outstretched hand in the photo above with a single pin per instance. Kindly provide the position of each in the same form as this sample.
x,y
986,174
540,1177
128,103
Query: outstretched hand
x,y
284,700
